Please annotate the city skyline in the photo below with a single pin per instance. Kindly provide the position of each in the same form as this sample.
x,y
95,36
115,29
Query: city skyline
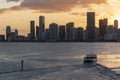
x,y
67,32
18,14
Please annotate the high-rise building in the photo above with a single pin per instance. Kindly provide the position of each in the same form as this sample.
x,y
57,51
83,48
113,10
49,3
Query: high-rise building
x,y
103,23
16,34
8,31
97,34
53,31
75,34
80,33
62,32
12,37
116,24
116,30
46,35
32,30
111,35
118,35
69,31
90,26
41,27
110,29
37,33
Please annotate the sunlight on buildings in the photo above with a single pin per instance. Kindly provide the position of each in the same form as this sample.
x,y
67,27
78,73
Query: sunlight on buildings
x,y
117,17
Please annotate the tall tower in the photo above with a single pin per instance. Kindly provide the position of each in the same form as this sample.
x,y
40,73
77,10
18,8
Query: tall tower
x,y
8,31
37,33
53,31
69,31
90,26
116,24
103,23
32,30
61,32
41,27
16,34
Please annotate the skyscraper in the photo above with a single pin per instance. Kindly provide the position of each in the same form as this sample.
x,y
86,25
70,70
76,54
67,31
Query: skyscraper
x,y
32,30
46,35
16,34
90,26
41,27
116,24
116,33
80,33
69,31
62,32
75,34
12,37
53,31
8,31
106,22
37,33
103,23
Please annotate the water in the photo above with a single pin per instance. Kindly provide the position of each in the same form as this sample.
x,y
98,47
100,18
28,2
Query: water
x,y
108,53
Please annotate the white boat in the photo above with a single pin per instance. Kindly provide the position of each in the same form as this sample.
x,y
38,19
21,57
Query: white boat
x,y
90,59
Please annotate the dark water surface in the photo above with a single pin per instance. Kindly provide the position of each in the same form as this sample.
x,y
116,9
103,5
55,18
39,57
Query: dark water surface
x,y
108,53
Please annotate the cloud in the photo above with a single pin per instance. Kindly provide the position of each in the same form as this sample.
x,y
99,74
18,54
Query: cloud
x,y
59,5
49,6
92,1
8,10
76,13
13,0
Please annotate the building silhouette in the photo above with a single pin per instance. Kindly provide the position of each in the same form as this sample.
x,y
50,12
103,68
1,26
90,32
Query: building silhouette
x,y
61,32
12,37
21,38
80,33
37,33
46,35
53,31
110,35
32,30
90,26
103,23
2,38
69,31
16,34
97,34
8,31
75,34
116,24
28,37
41,27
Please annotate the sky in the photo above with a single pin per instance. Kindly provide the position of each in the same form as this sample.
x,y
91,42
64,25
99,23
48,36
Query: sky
x,y
18,13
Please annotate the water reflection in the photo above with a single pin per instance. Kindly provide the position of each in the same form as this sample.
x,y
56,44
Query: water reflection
x,y
110,60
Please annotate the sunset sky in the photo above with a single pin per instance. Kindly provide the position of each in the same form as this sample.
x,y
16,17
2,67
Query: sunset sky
x,y
18,13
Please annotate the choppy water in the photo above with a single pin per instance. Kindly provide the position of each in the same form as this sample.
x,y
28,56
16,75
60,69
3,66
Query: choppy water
x,y
108,53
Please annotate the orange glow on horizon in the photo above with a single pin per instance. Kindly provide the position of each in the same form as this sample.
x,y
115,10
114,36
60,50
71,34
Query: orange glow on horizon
x,y
20,19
